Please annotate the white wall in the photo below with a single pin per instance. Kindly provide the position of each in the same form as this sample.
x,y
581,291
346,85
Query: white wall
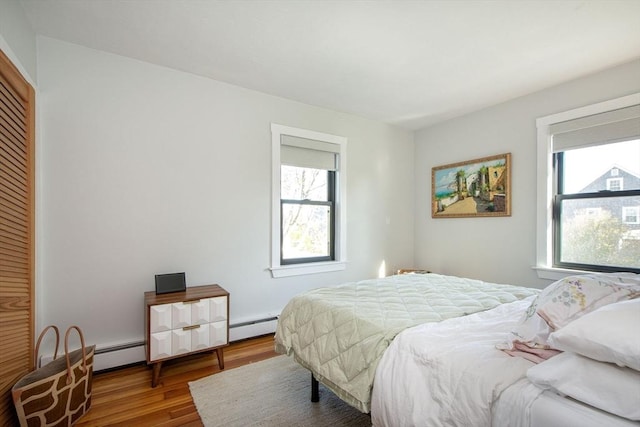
x,y
17,39
499,249
149,170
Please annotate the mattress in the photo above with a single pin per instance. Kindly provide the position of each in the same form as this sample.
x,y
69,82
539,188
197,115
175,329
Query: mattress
x,y
340,333
525,405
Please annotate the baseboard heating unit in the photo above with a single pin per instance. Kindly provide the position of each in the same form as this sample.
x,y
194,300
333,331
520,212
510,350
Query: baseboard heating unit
x,y
111,356
252,328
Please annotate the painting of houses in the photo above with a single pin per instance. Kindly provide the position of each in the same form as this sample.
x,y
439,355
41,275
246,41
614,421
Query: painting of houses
x,y
473,188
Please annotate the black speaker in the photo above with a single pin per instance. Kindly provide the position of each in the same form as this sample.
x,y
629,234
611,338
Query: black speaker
x,y
173,282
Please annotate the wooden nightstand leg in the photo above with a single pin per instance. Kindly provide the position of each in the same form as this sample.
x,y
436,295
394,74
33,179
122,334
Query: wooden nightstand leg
x,y
220,358
155,377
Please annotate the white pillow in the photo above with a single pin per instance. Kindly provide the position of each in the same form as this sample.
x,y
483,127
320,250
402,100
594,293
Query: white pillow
x,y
608,334
602,385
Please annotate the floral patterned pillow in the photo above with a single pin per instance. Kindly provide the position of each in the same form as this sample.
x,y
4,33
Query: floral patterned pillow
x,y
568,299
532,331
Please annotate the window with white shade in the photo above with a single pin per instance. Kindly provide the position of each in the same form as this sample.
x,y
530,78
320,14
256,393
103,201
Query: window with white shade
x,y
308,199
589,188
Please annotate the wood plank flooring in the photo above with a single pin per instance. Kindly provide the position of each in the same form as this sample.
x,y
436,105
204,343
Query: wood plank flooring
x,y
124,397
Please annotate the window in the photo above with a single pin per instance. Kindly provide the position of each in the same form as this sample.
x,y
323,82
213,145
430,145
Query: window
x,y
631,214
589,189
591,212
614,184
308,225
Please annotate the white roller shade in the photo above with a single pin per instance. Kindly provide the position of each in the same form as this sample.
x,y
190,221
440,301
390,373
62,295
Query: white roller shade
x,y
308,153
604,128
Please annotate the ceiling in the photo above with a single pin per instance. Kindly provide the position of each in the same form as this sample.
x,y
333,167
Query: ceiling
x,y
408,63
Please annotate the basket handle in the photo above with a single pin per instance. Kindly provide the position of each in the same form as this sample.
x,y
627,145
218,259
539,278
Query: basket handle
x,y
42,334
83,367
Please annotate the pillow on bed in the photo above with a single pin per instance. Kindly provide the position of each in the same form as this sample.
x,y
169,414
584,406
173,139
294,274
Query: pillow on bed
x,y
568,299
609,334
602,385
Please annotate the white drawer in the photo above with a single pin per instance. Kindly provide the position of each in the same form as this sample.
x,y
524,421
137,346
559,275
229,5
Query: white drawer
x,y
160,345
218,309
218,333
200,337
160,318
180,341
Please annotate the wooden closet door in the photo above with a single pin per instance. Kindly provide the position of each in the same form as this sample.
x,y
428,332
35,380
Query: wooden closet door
x,y
17,105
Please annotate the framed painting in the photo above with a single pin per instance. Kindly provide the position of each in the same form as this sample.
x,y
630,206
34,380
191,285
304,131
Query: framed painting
x,y
475,188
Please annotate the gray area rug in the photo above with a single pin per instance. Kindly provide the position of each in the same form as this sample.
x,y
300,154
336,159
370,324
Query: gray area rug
x,y
273,392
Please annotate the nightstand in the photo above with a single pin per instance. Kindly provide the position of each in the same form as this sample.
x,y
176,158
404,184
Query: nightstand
x,y
182,323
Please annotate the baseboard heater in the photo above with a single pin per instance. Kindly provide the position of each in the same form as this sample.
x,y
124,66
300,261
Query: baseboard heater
x,y
253,322
113,356
252,328
118,347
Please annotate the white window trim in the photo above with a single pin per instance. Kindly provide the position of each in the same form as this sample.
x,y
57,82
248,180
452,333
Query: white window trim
x,y
278,270
544,219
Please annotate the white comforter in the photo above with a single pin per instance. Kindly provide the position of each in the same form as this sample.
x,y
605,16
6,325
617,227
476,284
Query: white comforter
x,y
447,373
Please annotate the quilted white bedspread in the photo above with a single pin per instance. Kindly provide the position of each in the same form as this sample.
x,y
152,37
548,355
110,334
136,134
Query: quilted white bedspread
x,y
339,333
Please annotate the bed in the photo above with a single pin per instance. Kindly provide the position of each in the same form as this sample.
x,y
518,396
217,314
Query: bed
x,y
450,364
340,333
455,372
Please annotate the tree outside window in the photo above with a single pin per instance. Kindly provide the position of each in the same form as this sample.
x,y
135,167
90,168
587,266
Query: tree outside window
x,y
307,214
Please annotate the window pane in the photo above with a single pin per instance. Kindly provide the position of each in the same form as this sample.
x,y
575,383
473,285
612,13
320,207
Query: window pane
x,y
601,231
303,183
305,231
612,167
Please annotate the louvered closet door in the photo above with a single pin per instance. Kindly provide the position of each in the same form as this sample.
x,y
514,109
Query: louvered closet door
x,y
16,232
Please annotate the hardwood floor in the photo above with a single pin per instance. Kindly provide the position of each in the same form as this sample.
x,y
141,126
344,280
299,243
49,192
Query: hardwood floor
x,y
124,397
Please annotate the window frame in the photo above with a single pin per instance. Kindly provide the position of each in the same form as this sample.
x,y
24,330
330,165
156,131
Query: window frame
x,y
545,182
339,247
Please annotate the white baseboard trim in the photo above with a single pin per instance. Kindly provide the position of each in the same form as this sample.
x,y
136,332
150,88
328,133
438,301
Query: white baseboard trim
x,y
111,356
114,356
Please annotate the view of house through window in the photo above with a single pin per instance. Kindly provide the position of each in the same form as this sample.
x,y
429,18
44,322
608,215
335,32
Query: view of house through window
x,y
597,207
307,214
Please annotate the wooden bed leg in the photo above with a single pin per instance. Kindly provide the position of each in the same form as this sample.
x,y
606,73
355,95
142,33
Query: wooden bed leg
x,y
315,394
